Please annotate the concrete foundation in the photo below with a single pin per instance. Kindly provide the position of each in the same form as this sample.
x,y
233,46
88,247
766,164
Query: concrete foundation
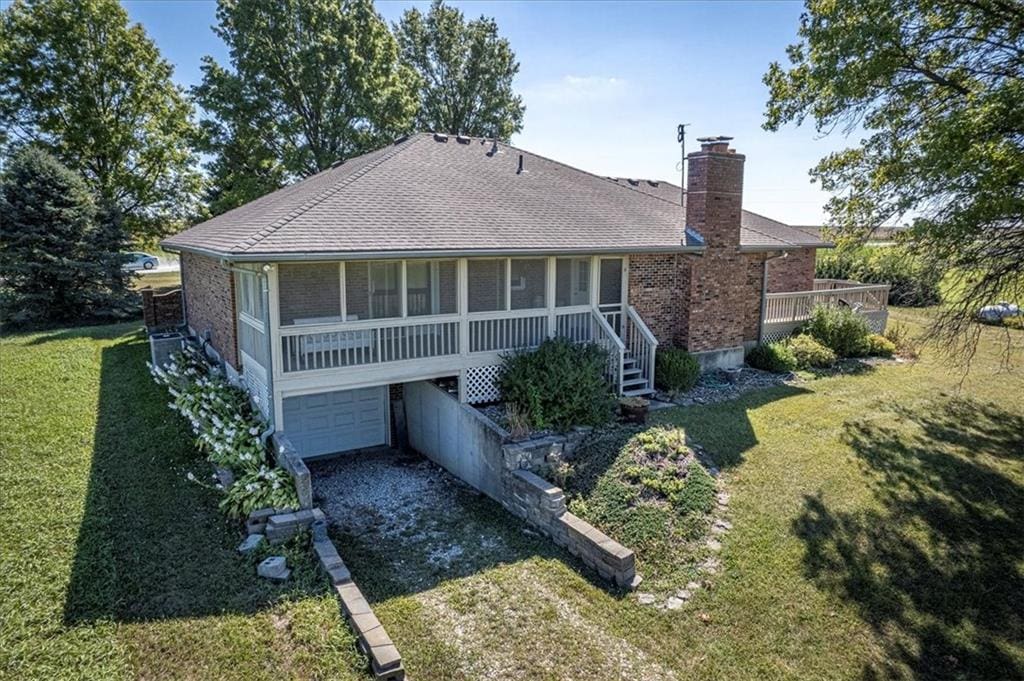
x,y
724,358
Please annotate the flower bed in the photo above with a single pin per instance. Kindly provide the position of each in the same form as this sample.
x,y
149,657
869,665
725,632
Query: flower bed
x,y
228,431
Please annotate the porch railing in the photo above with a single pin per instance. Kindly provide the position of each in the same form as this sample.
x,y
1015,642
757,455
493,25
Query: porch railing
x,y
368,342
796,306
640,344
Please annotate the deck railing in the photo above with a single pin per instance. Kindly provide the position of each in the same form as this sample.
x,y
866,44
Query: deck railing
x,y
795,306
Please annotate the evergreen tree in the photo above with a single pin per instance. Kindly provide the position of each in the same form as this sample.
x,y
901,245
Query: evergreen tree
x,y
57,262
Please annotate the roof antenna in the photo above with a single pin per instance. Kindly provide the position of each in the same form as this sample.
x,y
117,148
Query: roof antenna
x,y
681,138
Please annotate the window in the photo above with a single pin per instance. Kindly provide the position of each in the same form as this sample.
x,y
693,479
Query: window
x,y
528,283
249,294
373,290
611,282
431,287
487,283
572,282
309,293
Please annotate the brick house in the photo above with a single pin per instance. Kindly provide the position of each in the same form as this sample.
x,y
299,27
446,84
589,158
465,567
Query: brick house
x,y
433,256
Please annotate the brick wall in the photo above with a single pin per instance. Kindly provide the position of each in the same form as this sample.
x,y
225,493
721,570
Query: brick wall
x,y
792,273
210,303
719,287
752,306
162,309
658,289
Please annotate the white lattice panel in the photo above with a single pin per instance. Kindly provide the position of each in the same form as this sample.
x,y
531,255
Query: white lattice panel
x,y
480,385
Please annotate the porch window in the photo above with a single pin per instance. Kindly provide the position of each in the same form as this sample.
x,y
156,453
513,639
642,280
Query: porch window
x,y
373,290
528,283
431,287
487,284
309,293
610,292
249,294
572,282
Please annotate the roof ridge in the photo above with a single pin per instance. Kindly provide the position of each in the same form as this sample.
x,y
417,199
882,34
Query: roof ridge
x,y
325,194
603,178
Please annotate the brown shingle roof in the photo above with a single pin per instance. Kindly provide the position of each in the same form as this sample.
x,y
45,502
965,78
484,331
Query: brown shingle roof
x,y
441,194
756,231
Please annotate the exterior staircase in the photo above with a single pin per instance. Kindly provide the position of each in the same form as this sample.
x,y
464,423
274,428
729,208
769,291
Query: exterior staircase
x,y
634,383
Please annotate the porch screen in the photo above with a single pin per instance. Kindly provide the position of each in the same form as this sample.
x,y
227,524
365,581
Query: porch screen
x,y
572,281
309,293
529,282
487,283
373,290
431,287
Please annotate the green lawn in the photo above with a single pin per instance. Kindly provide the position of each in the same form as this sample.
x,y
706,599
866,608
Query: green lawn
x,y
878,532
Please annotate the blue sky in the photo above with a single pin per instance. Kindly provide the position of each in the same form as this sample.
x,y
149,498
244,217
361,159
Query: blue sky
x,y
605,84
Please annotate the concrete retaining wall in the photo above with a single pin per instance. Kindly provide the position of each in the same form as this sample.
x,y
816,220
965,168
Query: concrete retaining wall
x,y
288,458
467,444
455,436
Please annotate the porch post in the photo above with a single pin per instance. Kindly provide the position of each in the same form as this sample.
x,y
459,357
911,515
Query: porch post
x,y
549,296
274,332
463,284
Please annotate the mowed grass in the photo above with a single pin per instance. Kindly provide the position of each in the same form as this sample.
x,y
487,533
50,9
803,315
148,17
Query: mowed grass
x,y
878,532
113,565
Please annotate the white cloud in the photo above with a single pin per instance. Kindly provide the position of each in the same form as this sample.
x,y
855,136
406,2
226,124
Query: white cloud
x,y
578,89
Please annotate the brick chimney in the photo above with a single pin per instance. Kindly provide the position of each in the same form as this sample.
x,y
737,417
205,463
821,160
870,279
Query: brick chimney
x,y
718,286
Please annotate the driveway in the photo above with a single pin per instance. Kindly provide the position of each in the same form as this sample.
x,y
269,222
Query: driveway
x,y
463,587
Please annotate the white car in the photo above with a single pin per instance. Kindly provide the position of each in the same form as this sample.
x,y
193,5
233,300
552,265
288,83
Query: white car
x,y
137,260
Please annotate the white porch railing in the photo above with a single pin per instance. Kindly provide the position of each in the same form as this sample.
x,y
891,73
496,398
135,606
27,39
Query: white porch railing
x,y
640,344
353,344
784,312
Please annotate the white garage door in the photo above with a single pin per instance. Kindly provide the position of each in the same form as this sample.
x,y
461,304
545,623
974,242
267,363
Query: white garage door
x,y
337,421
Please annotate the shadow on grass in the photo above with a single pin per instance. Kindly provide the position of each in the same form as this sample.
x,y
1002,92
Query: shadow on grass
x,y
935,569
724,429
151,544
98,330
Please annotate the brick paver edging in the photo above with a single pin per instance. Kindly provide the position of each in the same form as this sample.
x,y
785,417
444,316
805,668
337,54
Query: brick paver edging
x,y
385,660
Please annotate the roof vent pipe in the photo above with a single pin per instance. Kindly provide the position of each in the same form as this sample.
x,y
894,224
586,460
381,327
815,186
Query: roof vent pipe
x,y
520,171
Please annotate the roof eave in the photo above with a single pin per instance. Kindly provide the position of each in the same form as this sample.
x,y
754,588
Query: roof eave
x,y
783,247
312,256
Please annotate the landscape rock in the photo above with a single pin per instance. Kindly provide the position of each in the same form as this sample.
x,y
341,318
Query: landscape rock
x,y
674,603
251,543
645,599
274,568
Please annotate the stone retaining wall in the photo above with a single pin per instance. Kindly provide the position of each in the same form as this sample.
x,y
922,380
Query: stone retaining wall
x,y
542,504
288,458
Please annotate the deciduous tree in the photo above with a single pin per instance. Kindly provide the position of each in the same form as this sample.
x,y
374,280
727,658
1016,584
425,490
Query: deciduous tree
x,y
311,82
466,71
80,81
938,89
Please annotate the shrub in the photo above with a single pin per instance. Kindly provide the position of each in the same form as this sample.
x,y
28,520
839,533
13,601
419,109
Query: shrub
x,y
880,346
809,353
666,466
899,336
774,357
228,431
1014,322
839,328
559,384
675,370
913,282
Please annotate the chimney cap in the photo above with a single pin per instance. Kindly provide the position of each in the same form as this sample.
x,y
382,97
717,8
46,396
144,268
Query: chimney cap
x,y
712,140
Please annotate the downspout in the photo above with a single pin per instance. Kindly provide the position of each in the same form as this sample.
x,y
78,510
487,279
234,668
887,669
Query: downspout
x,y
764,293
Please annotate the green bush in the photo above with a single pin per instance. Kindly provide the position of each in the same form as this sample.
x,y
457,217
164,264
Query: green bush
x,y
913,282
880,346
560,384
809,353
774,357
675,370
841,329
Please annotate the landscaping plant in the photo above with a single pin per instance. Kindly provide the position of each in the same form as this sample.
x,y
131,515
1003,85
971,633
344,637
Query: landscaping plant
x,y
880,346
809,353
777,358
675,370
227,431
913,282
839,328
559,384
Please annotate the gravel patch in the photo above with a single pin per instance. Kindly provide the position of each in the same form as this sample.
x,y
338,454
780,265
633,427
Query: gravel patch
x,y
714,386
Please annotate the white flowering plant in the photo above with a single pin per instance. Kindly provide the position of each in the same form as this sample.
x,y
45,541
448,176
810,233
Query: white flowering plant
x,y
227,431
